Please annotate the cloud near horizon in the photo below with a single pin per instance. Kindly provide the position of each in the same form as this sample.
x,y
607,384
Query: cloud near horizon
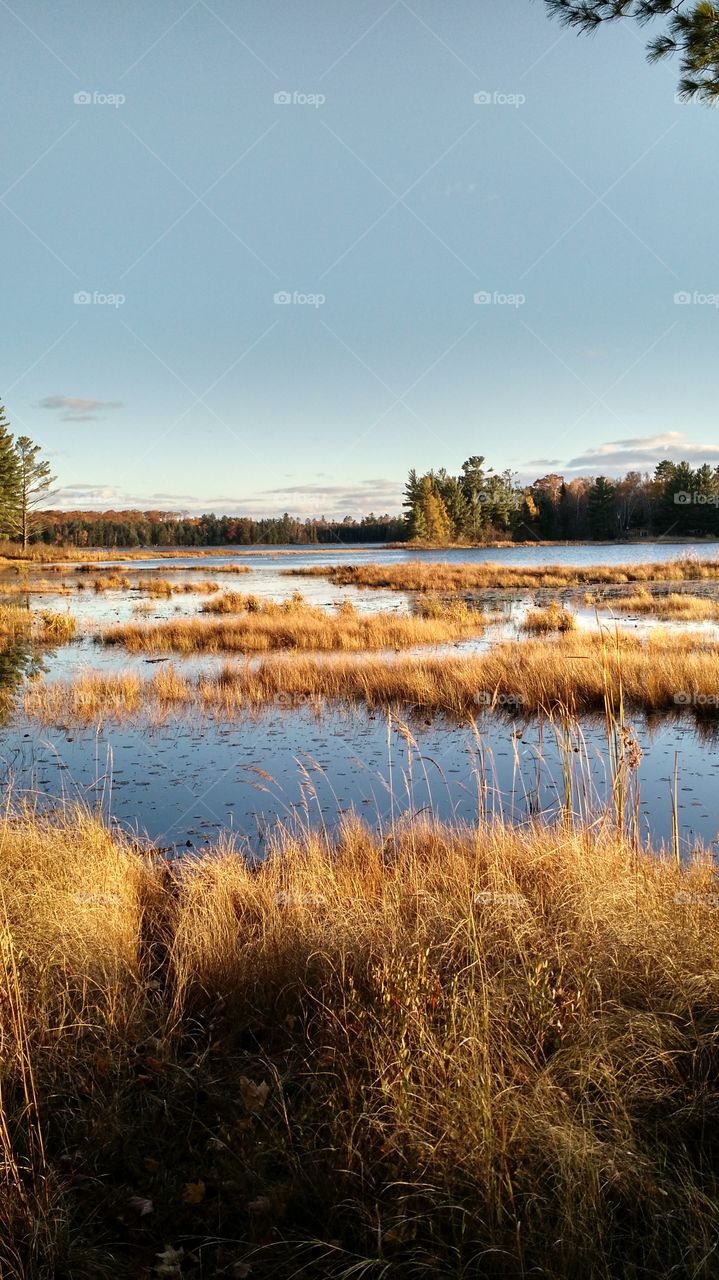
x,y
636,453
335,501
77,409
641,453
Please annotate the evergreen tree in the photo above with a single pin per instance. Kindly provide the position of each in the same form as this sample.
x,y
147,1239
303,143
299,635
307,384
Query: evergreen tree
x,y
691,30
9,478
411,505
602,499
502,502
34,480
473,482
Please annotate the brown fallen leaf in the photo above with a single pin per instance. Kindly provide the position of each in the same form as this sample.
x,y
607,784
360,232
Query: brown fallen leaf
x,y
194,1192
254,1096
170,1263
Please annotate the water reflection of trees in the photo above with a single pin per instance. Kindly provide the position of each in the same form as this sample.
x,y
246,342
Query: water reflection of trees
x,y
20,660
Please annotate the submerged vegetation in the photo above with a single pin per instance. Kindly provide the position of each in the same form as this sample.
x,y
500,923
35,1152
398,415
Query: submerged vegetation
x,y
367,1055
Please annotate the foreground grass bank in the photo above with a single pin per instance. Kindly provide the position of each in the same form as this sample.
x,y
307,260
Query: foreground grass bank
x,y
421,575
574,672
445,1053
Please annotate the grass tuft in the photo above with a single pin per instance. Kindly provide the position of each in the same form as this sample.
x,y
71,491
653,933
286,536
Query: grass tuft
x,y
552,618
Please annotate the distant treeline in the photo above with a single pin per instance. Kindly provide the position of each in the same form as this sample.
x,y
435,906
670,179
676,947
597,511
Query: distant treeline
x,y
479,506
165,529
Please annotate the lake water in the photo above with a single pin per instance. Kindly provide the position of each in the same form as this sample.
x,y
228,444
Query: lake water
x,y
182,783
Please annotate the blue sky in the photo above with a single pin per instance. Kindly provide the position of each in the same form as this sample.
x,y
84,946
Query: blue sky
x,y
576,198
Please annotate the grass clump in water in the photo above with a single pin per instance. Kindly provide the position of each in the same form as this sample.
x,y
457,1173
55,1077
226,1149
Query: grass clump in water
x,y
552,618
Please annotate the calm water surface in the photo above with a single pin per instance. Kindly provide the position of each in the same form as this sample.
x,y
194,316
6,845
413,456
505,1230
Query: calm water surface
x,y
183,783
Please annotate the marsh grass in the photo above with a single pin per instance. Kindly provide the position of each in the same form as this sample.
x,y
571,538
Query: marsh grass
x,y
43,626
33,586
164,587
576,671
55,628
105,582
551,618
420,575
257,626
674,606
40,553
370,1055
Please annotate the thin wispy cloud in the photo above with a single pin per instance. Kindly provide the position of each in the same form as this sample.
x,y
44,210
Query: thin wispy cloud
x,y
78,408
335,501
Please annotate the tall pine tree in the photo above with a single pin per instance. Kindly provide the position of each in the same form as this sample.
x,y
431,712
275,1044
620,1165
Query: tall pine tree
x,y
34,480
9,478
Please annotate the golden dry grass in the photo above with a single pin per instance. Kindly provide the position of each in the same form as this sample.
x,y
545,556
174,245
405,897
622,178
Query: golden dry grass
x,y
105,582
576,672
152,586
552,618
676,606
33,586
40,553
419,575
164,587
43,626
442,1053
260,625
